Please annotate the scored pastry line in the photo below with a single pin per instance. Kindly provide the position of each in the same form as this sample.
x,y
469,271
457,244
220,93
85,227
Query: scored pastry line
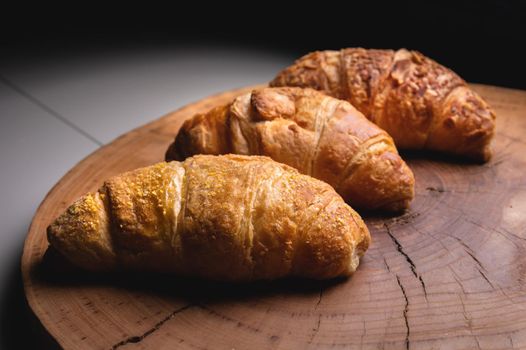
x,y
113,227
323,66
238,111
346,93
272,179
355,255
331,73
165,203
246,224
381,85
203,130
107,231
353,162
180,185
236,136
323,114
121,252
316,215
182,213
244,124
301,230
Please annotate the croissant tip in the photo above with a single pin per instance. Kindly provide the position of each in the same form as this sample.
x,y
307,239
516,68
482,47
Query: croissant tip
x,y
172,154
50,233
486,155
482,156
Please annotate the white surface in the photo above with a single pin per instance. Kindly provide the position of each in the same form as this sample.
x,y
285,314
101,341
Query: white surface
x,y
49,105
36,149
111,93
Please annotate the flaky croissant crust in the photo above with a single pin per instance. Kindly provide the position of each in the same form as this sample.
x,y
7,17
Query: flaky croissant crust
x,y
319,135
231,217
420,103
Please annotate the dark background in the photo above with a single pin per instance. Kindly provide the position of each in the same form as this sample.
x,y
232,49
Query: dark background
x,y
483,41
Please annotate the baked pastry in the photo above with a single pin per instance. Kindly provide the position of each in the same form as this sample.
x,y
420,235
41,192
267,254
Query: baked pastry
x,y
420,103
231,218
319,135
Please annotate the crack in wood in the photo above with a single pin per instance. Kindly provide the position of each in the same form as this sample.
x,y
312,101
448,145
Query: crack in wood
x,y
478,344
486,278
407,258
401,250
457,191
466,218
139,338
480,270
315,330
406,310
464,313
471,253
480,267
319,298
422,283
504,233
512,138
406,307
466,318
364,333
436,189
229,319
442,330
404,219
458,280
510,233
387,265
510,299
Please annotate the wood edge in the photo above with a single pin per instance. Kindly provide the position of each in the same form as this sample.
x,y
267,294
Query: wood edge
x,y
26,262
495,87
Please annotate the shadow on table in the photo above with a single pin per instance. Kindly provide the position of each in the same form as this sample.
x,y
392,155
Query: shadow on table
x,y
56,270
439,157
19,327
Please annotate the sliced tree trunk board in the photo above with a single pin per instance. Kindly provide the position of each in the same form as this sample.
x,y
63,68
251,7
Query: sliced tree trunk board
x,y
448,274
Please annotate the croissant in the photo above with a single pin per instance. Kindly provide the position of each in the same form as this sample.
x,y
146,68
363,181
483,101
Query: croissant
x,y
231,218
420,103
319,135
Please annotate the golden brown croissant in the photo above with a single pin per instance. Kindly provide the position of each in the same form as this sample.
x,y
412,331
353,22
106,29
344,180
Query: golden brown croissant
x,y
317,134
420,103
234,218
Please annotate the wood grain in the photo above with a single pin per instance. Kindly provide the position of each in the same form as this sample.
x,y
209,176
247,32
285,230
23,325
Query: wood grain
x,y
448,274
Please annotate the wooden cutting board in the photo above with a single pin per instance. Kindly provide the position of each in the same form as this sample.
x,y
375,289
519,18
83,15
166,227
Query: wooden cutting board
x,y
448,274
